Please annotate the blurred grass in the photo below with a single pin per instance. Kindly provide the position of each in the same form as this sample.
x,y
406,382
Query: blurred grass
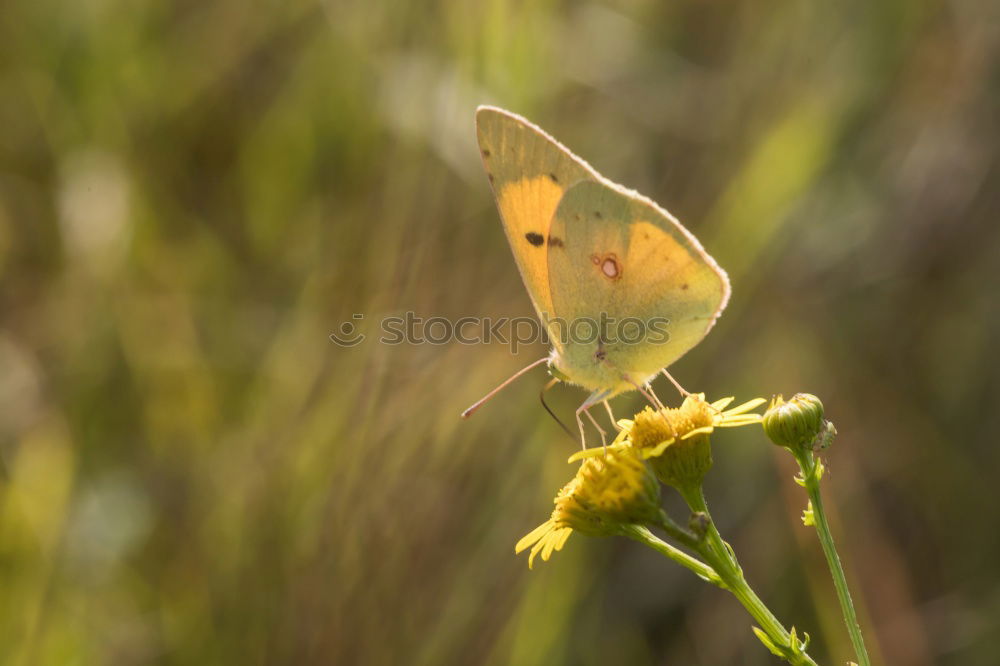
x,y
193,196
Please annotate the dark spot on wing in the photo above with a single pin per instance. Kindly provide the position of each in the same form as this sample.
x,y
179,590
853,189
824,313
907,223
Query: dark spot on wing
x,y
684,286
598,215
490,176
645,235
534,239
486,153
611,268
576,216
608,265
553,177
555,241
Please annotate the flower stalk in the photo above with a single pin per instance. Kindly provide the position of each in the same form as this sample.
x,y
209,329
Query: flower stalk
x,y
644,536
811,472
616,492
720,557
798,426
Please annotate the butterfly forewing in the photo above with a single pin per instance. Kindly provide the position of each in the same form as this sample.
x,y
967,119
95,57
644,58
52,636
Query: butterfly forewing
x,y
529,172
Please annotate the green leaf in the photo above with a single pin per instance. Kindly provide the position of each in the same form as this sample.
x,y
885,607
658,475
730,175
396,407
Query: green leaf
x,y
808,517
798,647
766,640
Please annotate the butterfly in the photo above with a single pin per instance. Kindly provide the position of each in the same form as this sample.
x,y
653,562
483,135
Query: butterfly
x,y
622,288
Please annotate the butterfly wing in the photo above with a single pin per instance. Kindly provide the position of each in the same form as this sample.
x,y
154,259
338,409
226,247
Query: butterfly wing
x,y
622,258
529,172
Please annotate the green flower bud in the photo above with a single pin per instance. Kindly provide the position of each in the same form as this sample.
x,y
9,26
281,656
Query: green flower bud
x,y
684,463
796,423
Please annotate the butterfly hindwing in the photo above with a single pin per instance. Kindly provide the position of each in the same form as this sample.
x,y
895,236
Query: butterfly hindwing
x,y
624,261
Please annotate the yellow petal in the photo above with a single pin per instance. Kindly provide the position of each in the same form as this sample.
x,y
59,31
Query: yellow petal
x,y
746,406
707,430
658,449
721,404
597,451
741,420
563,534
534,551
533,536
550,542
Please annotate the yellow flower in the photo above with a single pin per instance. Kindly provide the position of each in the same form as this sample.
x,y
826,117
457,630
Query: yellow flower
x,y
675,440
615,486
606,493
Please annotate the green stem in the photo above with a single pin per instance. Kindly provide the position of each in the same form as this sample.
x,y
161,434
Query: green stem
x,y
721,558
674,531
700,569
810,477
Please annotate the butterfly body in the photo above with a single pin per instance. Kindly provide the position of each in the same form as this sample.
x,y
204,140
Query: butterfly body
x,y
622,288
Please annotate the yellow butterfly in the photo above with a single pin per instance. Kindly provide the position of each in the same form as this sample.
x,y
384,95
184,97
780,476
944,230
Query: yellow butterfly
x,y
593,255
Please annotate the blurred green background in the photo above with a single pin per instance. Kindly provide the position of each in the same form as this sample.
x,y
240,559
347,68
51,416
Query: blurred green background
x,y
193,196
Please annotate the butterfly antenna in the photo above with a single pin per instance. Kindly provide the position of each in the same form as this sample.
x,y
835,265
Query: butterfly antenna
x,y
541,396
482,401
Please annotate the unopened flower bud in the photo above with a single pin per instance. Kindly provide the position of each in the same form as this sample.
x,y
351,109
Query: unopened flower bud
x,y
796,423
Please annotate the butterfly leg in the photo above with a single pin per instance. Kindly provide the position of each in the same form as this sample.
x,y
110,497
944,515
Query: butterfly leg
x,y
611,415
652,393
647,394
604,438
684,393
591,400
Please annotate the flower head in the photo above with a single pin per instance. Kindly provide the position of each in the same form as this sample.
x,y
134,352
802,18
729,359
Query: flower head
x,y
617,485
675,440
606,493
